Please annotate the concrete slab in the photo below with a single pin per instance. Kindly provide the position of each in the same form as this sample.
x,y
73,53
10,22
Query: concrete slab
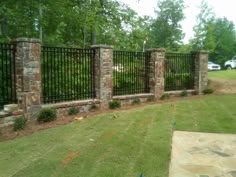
x,y
203,155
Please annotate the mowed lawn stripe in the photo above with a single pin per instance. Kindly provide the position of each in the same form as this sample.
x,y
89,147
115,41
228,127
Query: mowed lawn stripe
x,y
121,143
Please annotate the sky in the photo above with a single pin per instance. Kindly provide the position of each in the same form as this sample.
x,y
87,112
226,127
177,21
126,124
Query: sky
x,y
225,8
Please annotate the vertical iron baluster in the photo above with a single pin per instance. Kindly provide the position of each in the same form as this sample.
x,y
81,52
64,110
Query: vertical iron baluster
x,y
67,75
63,95
80,74
86,77
85,89
60,65
70,59
13,73
10,73
7,74
3,74
76,73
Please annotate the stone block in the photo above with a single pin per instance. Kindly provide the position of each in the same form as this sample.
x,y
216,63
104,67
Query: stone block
x,y
10,107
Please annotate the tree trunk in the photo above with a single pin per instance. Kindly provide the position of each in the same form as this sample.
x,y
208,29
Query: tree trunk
x,y
93,37
40,22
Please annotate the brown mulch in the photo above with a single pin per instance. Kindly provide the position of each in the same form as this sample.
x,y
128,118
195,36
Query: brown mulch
x,y
7,133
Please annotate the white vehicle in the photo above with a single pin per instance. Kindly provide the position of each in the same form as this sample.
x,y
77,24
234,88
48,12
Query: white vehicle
x,y
230,64
212,66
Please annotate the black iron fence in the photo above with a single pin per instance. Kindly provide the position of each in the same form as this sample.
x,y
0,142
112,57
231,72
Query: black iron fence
x,y
179,70
67,74
130,73
7,74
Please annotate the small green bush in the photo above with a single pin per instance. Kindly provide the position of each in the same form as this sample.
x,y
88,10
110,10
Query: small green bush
x,y
207,91
165,96
150,98
114,104
184,93
47,115
73,110
19,123
136,101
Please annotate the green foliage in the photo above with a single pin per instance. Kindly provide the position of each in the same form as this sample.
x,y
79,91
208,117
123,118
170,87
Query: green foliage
x,y
19,123
71,68
184,93
217,35
73,110
136,101
166,27
129,74
202,28
225,40
74,22
114,104
165,96
207,91
177,81
47,115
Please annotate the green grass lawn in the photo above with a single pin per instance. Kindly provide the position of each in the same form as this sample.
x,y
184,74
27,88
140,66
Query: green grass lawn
x,y
224,74
137,141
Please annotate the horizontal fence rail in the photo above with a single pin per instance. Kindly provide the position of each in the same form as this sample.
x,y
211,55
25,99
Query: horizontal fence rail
x,y
130,73
179,71
67,74
7,74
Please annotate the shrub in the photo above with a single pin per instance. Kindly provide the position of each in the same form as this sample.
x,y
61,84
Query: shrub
x,y
165,96
177,81
19,123
184,93
207,91
47,115
73,110
150,98
136,101
114,104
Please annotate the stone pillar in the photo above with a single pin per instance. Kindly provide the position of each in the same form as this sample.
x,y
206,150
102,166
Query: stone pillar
x,y
28,74
103,74
156,75
200,70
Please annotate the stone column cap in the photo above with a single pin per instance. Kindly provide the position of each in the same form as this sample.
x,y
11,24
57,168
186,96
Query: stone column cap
x,y
102,46
155,50
24,39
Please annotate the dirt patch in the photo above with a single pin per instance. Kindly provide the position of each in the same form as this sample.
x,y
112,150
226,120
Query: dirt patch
x,y
223,86
144,121
109,134
69,156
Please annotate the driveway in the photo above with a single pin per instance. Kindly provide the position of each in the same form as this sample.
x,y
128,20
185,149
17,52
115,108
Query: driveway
x,y
203,155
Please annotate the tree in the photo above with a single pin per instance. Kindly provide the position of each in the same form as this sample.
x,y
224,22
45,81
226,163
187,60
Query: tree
x,y
209,42
225,40
166,29
77,23
203,26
